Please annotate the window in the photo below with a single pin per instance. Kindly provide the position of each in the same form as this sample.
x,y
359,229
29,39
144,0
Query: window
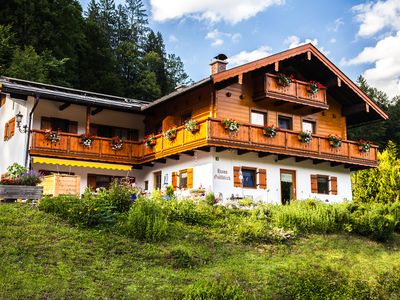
x,y
146,185
9,129
309,126
95,181
157,180
62,125
111,131
258,118
249,177
285,122
183,176
185,117
323,184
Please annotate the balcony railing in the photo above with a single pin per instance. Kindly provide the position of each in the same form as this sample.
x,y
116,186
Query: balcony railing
x,y
251,137
211,133
296,92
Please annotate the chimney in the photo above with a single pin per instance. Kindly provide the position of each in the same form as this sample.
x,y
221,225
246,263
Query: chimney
x,y
218,64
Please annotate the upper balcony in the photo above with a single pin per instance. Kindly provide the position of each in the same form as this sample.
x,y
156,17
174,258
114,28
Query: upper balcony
x,y
211,133
297,92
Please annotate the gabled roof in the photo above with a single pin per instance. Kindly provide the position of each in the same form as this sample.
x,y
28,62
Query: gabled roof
x,y
63,94
304,49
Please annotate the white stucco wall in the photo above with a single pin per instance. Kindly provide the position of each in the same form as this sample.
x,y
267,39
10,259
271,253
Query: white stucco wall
x,y
77,113
226,160
13,150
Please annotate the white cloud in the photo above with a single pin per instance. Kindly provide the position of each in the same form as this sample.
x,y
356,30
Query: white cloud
x,y
373,17
230,11
336,25
294,41
217,37
247,56
385,58
332,40
173,39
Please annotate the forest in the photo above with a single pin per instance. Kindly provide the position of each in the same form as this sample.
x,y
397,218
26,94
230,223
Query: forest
x,y
108,48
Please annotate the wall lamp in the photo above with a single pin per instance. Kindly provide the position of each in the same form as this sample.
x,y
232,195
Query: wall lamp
x,y
18,119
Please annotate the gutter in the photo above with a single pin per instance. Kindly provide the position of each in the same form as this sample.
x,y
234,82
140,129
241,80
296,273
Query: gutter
x,y
26,163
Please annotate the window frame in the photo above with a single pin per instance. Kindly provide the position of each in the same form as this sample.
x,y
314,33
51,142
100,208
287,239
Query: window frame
x,y
157,183
313,123
254,171
180,173
256,111
290,118
327,183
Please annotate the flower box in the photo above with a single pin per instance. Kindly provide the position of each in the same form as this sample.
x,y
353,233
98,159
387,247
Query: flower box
x,y
192,126
170,134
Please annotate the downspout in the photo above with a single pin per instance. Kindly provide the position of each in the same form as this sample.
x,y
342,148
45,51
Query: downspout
x,y
27,165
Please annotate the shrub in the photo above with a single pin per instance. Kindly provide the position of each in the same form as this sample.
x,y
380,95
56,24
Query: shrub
x,y
146,221
188,211
210,199
170,191
16,170
373,220
245,202
214,289
118,196
31,178
309,216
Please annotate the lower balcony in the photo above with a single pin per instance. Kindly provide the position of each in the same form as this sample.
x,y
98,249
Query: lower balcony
x,y
210,133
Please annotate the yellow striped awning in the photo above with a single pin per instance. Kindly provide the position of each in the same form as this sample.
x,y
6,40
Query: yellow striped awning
x,y
80,163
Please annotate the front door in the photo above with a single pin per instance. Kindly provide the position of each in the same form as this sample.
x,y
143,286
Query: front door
x,y
288,186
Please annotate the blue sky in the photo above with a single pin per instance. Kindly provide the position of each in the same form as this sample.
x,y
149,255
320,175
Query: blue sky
x,y
360,37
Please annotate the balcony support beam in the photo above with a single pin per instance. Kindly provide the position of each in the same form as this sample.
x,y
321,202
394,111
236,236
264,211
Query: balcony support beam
x,y
335,163
317,161
174,157
205,148
161,160
190,153
220,149
279,103
264,154
282,156
64,106
242,151
96,111
300,159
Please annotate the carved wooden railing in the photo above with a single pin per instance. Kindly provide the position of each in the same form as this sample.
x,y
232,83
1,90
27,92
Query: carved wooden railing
x,y
210,133
287,142
297,91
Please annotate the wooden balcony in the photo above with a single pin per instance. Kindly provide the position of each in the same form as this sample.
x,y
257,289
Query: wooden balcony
x,y
267,88
69,146
286,143
211,133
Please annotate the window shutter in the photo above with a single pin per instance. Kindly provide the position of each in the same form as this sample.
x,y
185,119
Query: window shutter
x,y
6,131
190,178
3,100
45,123
11,128
262,178
91,181
174,181
236,179
334,185
73,127
314,184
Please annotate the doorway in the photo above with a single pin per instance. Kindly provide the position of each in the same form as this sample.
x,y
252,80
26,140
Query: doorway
x,y
288,186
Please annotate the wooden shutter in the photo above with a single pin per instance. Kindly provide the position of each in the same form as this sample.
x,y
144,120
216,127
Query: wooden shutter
x,y
236,179
73,127
91,181
3,100
11,128
45,123
314,184
334,185
6,131
190,178
174,181
262,178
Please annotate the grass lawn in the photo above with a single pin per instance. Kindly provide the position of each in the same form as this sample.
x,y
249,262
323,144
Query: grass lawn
x,y
43,257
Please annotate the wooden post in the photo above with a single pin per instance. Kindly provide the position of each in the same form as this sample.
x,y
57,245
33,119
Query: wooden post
x,y
87,131
276,66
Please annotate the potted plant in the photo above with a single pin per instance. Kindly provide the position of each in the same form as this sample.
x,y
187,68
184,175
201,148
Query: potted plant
x,y
364,146
52,136
314,87
305,136
284,80
116,143
335,141
150,141
86,140
170,134
19,183
192,126
270,131
231,125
